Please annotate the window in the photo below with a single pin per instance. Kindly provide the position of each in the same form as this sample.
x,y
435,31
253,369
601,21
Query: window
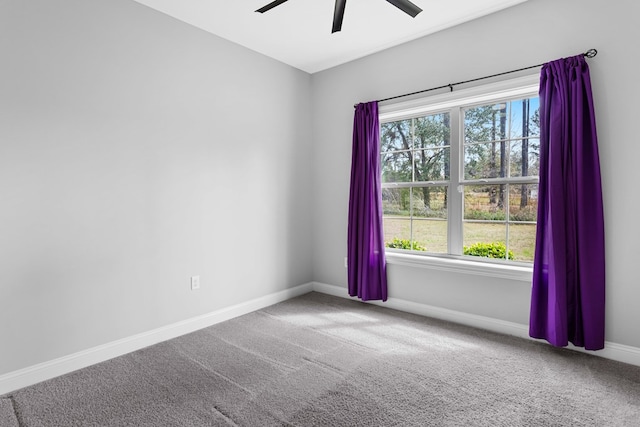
x,y
460,172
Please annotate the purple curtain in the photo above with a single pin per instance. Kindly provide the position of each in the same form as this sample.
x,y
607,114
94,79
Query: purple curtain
x,y
366,268
568,296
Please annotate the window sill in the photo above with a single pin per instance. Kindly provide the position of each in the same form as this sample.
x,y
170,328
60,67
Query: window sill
x,y
502,271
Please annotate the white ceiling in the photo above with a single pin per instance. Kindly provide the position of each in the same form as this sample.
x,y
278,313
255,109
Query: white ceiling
x,y
298,32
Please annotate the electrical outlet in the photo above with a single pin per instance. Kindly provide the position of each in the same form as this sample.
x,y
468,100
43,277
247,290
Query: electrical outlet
x,y
345,263
195,282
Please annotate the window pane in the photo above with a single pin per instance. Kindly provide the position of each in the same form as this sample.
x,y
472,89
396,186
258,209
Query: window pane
x,y
396,229
534,116
484,202
485,123
396,136
431,131
430,202
485,239
396,205
482,161
396,202
430,214
396,166
522,241
432,165
523,213
484,232
523,119
523,203
525,157
431,234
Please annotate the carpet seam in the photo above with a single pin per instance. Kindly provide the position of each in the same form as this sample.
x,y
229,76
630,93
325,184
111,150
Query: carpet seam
x,y
261,313
325,366
253,353
14,408
227,417
337,338
214,372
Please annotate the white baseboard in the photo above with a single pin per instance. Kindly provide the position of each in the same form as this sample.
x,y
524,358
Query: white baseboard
x,y
613,351
63,365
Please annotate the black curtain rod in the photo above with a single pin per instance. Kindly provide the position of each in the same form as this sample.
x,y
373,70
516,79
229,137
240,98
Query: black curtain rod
x,y
588,54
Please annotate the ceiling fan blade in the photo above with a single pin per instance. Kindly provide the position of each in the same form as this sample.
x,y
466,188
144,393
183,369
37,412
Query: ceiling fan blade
x,y
406,6
270,6
338,15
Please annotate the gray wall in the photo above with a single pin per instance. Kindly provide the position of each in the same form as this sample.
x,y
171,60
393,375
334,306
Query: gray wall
x,y
135,152
531,33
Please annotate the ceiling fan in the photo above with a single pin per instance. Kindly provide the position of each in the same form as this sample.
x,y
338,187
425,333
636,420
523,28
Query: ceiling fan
x,y
338,14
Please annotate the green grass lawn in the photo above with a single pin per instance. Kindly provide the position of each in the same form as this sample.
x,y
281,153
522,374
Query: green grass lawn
x,y
432,234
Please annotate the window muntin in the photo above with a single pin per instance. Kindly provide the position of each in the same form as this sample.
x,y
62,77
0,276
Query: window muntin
x,y
479,155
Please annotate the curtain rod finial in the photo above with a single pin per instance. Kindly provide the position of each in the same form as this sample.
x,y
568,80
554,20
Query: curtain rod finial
x,y
591,53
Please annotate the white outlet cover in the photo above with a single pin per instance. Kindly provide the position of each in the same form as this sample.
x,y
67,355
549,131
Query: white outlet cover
x,y
195,282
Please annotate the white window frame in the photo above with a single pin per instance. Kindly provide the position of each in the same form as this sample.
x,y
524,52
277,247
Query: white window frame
x,y
454,102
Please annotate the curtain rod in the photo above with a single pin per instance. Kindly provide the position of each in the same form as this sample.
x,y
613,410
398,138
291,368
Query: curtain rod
x,y
588,54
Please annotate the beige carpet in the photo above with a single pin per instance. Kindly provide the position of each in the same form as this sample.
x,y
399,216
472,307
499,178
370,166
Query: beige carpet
x,y
317,360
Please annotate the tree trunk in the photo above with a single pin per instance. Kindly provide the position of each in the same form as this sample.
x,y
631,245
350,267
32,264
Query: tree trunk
x,y
426,195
